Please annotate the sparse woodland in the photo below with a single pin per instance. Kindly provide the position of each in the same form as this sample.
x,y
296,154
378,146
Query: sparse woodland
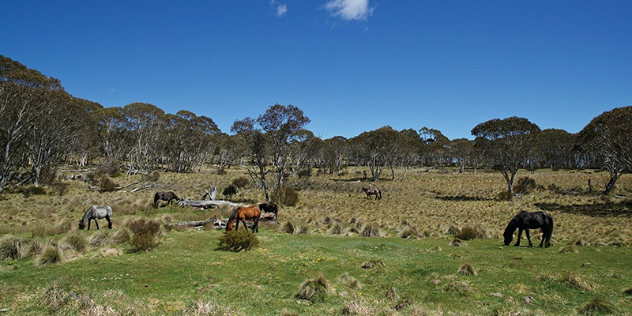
x,y
399,255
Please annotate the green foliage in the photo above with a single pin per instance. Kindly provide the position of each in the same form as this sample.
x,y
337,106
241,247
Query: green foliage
x,y
145,234
238,240
77,241
286,196
525,185
241,182
229,191
50,255
314,290
11,247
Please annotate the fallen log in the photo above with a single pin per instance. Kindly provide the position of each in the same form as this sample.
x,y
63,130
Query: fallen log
x,y
217,223
207,204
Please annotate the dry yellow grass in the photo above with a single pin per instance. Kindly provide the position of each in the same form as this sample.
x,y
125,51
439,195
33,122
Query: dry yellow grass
x,y
428,200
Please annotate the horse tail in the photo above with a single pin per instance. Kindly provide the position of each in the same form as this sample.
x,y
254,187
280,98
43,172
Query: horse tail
x,y
156,199
380,193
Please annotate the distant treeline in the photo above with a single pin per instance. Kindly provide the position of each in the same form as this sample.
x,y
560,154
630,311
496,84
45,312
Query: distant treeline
x,y
43,127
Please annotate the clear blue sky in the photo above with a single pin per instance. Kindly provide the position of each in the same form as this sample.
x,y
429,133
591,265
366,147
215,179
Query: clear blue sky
x,y
350,65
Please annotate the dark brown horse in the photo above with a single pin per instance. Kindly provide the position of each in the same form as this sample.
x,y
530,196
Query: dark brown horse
x,y
369,192
165,196
269,208
242,214
530,220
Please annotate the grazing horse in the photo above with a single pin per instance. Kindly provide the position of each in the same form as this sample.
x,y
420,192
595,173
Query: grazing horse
x,y
242,214
165,196
269,208
369,192
530,220
94,213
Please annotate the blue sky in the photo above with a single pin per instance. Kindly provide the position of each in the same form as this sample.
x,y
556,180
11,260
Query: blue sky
x,y
350,65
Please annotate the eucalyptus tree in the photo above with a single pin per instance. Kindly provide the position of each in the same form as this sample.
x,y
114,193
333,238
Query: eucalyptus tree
x,y
115,140
146,124
258,151
303,147
188,140
282,124
608,137
87,140
556,148
507,143
23,94
375,149
436,147
462,150
333,153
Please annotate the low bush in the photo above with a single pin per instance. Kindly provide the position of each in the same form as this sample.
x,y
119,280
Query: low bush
x,y
77,241
241,182
525,185
238,240
106,184
145,234
229,191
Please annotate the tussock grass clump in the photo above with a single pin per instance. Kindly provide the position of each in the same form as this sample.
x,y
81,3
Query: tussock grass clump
x,y
336,229
106,184
241,182
238,240
288,228
357,308
467,269
314,290
123,235
598,305
11,247
568,249
349,281
145,234
407,230
471,232
35,248
207,308
458,243
628,291
303,229
50,255
576,282
60,227
77,241
373,263
371,230
453,230
100,239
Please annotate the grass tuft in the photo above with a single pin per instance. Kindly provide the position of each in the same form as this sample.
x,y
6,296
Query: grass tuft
x,y
123,235
597,305
50,255
288,228
11,247
77,241
100,239
371,230
314,290
467,269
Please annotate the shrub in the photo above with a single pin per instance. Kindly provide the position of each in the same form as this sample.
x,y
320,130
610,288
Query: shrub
x,y
229,191
106,184
109,167
241,182
315,290
11,247
525,185
371,230
286,196
145,236
77,241
238,240
50,255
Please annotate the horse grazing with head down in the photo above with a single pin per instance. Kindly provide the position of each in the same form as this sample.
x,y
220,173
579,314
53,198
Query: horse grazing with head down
x,y
94,213
165,196
242,214
369,192
530,220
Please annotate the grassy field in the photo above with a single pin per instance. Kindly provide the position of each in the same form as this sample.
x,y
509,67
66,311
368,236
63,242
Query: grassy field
x,y
585,270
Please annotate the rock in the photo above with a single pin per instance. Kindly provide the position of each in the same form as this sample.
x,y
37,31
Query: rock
x,y
496,294
527,300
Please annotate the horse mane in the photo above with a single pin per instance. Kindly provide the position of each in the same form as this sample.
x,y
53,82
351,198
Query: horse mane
x,y
88,213
233,216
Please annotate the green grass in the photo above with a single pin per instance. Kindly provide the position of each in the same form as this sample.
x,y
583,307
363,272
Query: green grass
x,y
387,275
186,268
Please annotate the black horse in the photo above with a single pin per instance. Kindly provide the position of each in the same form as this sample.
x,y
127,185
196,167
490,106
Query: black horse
x,y
165,196
269,208
530,220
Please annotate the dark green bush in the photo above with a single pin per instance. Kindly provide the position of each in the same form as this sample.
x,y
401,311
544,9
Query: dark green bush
x,y
238,240
286,196
145,234
229,191
241,182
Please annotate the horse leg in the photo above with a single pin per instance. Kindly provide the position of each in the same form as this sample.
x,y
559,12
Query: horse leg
x,y
255,227
528,237
96,223
519,236
109,222
89,223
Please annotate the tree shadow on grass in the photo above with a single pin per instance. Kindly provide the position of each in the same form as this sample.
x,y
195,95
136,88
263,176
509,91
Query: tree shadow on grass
x,y
609,209
461,198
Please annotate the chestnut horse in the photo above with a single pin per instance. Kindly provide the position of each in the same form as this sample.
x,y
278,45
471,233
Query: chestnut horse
x,y
242,214
530,220
369,192
165,196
